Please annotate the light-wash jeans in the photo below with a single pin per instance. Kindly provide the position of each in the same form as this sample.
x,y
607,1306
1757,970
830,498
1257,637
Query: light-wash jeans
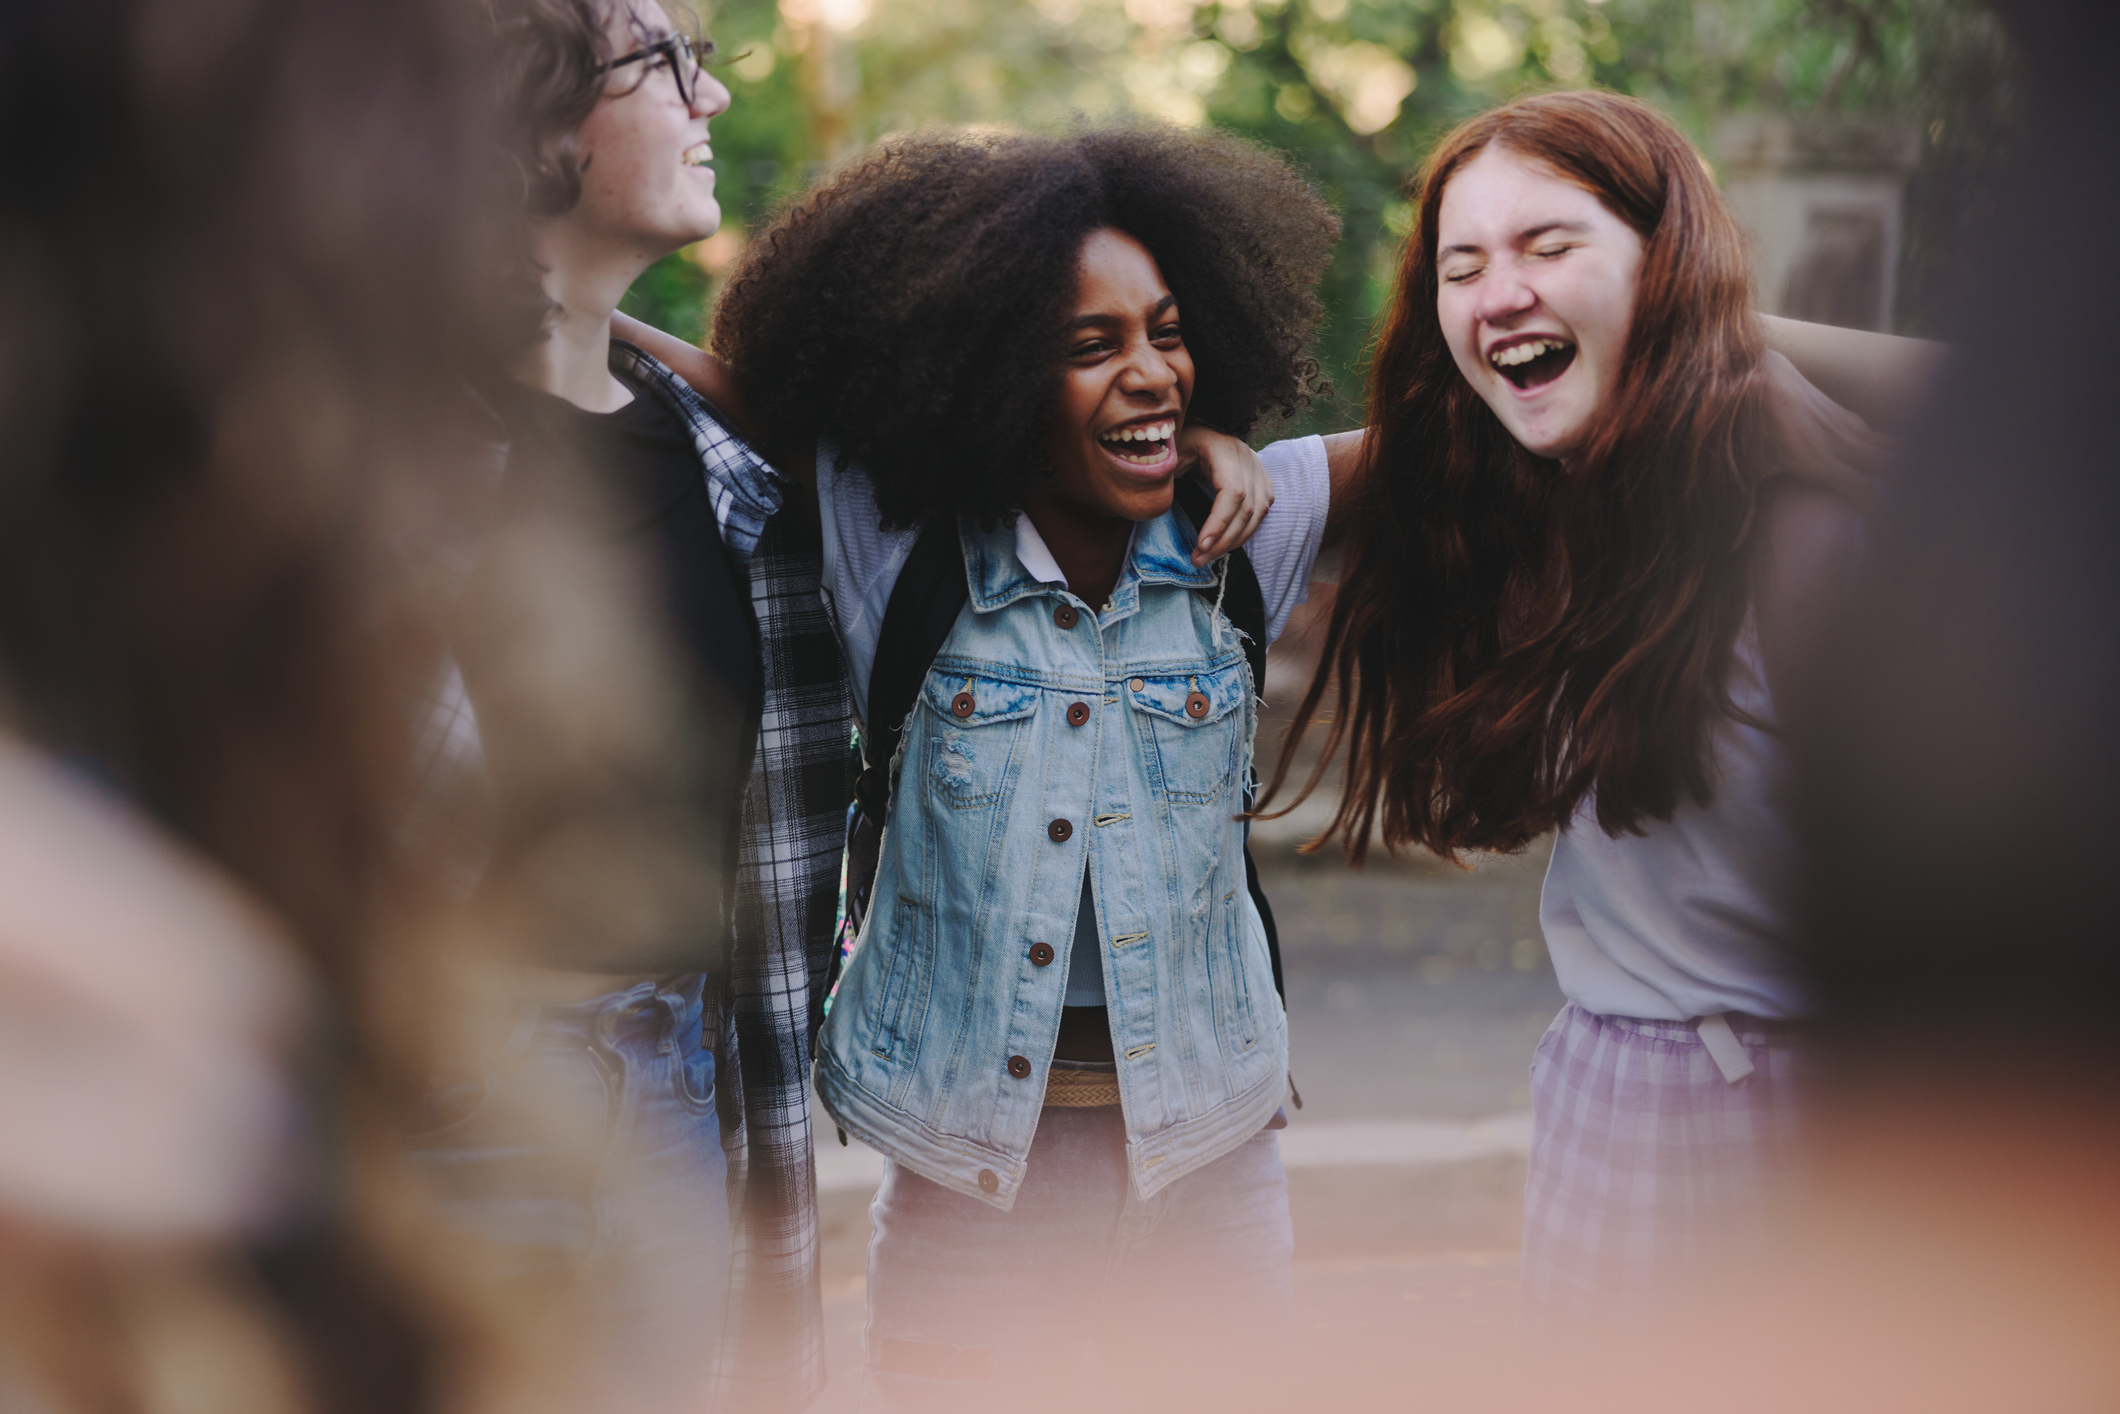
x,y
592,1154
968,1306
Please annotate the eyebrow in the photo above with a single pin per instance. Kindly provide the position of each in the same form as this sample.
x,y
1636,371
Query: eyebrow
x,y
1088,319
1522,237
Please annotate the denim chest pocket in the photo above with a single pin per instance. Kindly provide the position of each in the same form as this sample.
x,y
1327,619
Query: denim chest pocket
x,y
1192,730
975,734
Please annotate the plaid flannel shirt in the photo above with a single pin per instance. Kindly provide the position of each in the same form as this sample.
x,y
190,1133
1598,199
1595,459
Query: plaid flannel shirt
x,y
786,906
771,1354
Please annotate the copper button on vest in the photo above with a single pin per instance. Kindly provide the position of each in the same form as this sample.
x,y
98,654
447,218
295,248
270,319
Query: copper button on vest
x,y
962,704
1059,831
1195,706
987,1181
1018,1067
1041,954
1137,684
1077,713
1065,616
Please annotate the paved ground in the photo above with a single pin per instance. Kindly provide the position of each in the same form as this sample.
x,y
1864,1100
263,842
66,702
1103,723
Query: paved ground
x,y
1415,996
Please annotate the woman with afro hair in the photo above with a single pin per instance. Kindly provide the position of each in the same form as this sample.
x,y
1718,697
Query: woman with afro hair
x,y
1060,1022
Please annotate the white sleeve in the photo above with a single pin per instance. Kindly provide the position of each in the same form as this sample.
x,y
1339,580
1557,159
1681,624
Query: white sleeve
x,y
1286,545
862,561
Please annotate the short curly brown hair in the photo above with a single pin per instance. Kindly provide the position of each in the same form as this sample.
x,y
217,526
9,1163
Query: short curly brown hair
x,y
910,307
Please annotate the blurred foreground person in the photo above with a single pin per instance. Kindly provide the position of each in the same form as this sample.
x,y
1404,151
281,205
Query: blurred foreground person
x,y
246,264
700,1027
1961,771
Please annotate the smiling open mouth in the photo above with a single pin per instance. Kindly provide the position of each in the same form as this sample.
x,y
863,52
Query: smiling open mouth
x,y
699,154
1534,362
1143,444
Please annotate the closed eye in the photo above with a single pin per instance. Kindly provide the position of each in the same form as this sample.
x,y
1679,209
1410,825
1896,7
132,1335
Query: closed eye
x,y
1459,277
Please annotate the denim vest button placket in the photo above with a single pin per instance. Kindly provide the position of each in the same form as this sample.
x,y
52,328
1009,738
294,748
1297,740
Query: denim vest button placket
x,y
1019,1067
1066,616
1059,832
1041,954
1077,713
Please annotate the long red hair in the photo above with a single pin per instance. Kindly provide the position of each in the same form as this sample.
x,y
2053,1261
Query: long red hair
x,y
1509,637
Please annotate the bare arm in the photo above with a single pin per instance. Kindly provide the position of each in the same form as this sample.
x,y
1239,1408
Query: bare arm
x,y
1814,436
709,377
1245,493
1881,378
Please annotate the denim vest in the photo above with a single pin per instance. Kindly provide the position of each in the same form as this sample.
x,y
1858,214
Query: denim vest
x,y
1045,739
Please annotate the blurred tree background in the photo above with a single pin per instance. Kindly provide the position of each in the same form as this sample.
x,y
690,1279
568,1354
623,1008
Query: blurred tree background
x,y
1354,90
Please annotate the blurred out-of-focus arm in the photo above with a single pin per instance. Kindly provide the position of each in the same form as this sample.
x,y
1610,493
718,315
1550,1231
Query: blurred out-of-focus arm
x,y
147,1006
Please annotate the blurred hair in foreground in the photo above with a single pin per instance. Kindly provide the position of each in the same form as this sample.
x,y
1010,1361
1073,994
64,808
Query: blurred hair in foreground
x,y
246,258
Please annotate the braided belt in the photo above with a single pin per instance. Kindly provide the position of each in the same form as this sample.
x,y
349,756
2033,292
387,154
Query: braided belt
x,y
1069,1088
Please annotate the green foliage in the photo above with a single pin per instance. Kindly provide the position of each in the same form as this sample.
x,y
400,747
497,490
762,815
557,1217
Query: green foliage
x,y
1354,90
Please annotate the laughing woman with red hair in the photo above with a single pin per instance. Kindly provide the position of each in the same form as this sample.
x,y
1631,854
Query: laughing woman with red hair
x,y
1574,587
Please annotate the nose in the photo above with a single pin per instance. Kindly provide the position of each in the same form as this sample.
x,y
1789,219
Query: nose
x,y
709,97
1148,374
1504,295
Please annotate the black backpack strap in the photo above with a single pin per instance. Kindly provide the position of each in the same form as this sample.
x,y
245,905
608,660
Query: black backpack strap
x,y
925,601
1244,604
923,608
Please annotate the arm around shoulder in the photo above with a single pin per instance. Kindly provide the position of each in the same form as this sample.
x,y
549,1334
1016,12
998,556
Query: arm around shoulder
x,y
710,378
1881,378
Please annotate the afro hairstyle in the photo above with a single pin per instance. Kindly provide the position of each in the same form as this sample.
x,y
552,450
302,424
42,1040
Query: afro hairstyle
x,y
911,307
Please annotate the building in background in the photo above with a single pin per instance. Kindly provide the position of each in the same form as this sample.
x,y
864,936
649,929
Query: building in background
x,y
1822,196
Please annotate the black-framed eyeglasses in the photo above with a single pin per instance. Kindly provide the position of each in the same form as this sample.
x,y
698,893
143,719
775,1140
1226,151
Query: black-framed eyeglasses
x,y
684,56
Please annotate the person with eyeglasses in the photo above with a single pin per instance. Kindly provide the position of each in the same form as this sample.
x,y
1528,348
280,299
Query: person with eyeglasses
x,y
603,110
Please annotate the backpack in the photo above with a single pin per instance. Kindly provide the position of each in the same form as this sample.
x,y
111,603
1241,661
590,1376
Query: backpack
x,y
923,608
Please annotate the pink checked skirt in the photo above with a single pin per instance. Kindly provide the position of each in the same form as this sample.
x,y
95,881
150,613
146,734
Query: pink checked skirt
x,y
1645,1157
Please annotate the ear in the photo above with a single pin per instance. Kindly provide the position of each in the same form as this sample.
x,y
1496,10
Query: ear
x,y
553,185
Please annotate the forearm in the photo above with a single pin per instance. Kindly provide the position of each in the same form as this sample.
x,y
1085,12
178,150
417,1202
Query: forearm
x,y
1881,378
708,375
711,379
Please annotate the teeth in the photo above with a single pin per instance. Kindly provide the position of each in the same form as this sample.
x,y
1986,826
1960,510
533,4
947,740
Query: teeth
x,y
1524,353
1153,432
699,154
